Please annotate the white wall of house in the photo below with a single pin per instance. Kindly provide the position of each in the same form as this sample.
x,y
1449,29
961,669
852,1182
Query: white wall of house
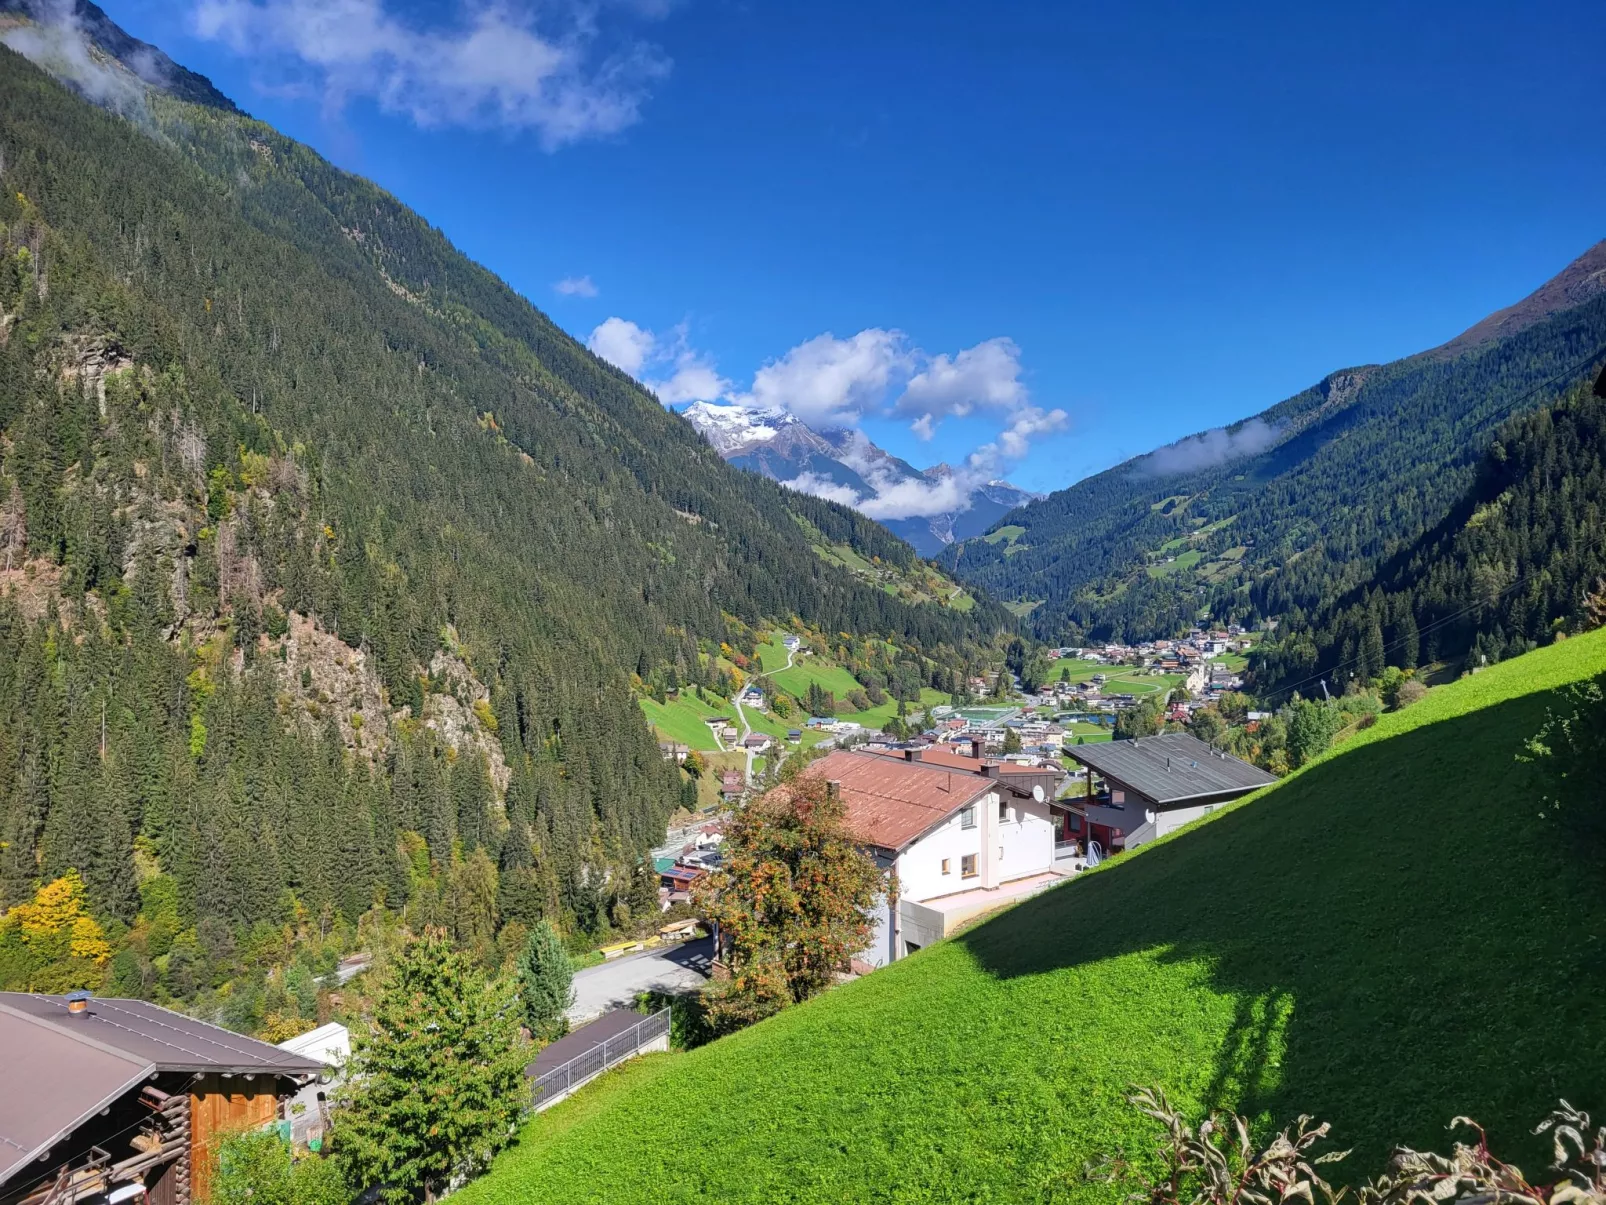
x,y
920,873
1026,837
1007,847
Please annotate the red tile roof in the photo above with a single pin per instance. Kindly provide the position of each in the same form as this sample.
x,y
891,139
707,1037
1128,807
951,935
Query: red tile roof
x,y
891,801
948,758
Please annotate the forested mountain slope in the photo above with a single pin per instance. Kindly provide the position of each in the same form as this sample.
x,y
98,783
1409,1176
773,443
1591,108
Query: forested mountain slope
x,y
1301,952
279,462
1300,503
1521,557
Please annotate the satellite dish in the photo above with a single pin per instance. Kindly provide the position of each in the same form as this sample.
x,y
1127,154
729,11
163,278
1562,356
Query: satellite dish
x,y
1037,792
1148,815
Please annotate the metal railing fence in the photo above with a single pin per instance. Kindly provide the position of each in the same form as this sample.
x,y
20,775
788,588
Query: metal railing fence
x,y
567,1076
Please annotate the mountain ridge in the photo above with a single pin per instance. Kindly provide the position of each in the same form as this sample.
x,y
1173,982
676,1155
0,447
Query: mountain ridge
x,y
1304,499
148,64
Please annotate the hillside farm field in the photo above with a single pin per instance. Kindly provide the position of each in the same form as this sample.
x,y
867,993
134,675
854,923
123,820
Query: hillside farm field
x,y
1276,959
684,719
1123,679
832,677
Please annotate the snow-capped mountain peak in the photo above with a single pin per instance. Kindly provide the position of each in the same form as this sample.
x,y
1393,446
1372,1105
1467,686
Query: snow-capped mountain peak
x,y
845,466
731,427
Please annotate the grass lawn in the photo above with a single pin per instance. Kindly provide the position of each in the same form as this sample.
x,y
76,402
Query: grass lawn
x,y
796,681
1185,561
832,677
684,719
1384,940
1123,680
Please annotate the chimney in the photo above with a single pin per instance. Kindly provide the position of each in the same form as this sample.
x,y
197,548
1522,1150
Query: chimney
x,y
833,788
78,1003
975,747
911,755
990,770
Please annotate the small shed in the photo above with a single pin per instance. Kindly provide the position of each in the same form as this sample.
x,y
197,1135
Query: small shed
x,y
102,1094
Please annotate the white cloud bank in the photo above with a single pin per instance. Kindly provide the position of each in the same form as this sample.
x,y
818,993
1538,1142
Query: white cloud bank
x,y
831,383
59,44
492,68
1209,449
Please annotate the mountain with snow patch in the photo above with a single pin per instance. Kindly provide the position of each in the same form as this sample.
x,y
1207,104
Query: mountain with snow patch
x,y
929,508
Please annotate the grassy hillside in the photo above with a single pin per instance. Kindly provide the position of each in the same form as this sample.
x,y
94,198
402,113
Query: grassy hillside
x,y
684,719
1384,940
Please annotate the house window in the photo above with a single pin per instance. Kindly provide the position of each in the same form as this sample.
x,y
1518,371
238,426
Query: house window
x,y
1003,810
945,866
967,866
967,818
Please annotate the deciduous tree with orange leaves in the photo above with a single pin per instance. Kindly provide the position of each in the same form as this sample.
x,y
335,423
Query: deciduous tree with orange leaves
x,y
793,901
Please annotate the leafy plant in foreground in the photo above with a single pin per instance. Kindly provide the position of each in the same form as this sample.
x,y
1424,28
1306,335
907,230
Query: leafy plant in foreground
x,y
792,901
1219,1163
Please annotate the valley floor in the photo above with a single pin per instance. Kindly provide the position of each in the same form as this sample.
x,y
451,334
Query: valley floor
x,y
1385,939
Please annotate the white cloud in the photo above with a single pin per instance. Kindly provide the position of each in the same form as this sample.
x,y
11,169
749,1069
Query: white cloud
x,y
691,377
919,498
576,286
1015,440
623,344
492,68
59,45
1210,448
985,375
830,382
824,487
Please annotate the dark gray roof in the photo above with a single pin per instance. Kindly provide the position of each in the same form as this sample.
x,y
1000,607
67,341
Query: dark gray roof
x,y
165,1039
1170,769
587,1037
54,1082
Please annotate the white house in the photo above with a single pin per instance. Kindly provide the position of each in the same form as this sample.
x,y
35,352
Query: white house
x,y
963,836
308,1110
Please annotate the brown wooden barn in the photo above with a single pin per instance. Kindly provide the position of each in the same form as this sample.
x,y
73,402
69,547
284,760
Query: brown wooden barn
x,y
99,1098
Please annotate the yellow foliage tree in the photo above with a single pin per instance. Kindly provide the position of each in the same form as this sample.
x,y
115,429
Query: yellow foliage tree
x,y
51,943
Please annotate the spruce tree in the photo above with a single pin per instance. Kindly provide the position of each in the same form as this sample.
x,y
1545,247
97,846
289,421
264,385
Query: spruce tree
x,y
436,1081
546,983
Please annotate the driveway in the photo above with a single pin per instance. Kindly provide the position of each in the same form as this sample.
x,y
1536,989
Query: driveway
x,y
682,968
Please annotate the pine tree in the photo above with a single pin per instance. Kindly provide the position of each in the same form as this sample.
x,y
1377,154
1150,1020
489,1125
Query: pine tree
x,y
436,1082
546,983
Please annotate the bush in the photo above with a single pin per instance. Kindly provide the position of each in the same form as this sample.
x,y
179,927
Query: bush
x,y
1410,691
255,1168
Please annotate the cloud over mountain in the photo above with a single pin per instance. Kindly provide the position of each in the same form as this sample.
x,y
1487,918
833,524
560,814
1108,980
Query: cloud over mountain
x,y
1210,448
828,384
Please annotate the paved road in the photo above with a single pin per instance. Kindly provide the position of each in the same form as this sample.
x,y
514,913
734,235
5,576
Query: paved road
x,y
682,968
780,751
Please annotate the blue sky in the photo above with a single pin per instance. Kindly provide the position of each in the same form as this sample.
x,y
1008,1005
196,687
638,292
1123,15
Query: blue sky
x,y
1061,234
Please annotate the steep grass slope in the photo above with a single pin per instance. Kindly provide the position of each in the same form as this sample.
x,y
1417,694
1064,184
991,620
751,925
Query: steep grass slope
x,y
1384,940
